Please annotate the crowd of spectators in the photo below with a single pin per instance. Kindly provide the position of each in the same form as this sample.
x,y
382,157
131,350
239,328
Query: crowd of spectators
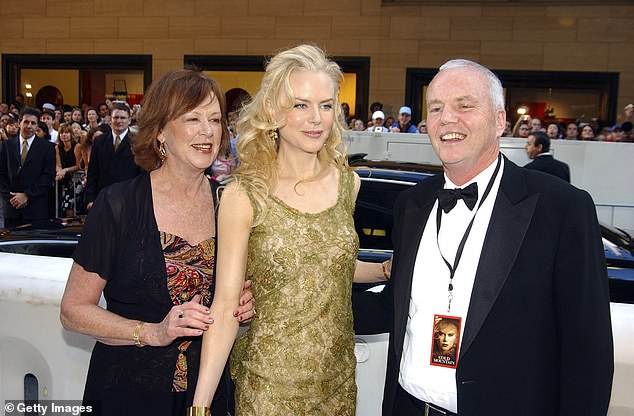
x,y
575,130
70,131
381,122
79,126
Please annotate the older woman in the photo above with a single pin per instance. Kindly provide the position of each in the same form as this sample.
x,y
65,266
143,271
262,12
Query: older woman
x,y
149,246
92,119
286,221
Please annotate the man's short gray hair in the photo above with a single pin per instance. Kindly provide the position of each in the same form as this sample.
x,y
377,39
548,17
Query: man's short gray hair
x,y
495,86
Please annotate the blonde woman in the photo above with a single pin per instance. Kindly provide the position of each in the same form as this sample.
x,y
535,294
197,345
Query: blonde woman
x,y
286,223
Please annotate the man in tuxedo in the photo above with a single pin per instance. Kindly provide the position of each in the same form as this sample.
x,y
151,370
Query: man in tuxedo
x,y
538,148
27,171
111,158
511,257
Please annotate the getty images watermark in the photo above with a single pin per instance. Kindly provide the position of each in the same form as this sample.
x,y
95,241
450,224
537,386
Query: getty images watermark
x,y
48,407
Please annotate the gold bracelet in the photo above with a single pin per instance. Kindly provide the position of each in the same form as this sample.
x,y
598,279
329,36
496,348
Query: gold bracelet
x,y
198,411
137,333
385,273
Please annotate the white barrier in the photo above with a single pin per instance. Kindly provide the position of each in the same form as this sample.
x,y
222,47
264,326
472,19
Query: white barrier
x,y
603,169
32,341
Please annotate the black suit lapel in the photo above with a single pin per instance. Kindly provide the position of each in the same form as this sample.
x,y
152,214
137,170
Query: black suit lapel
x,y
110,143
15,149
415,216
512,214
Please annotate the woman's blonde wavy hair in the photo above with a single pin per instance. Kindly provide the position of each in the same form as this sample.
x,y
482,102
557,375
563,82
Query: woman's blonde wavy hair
x,y
266,113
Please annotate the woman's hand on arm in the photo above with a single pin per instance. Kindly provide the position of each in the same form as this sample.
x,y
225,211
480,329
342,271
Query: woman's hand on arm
x,y
185,320
235,216
80,312
246,310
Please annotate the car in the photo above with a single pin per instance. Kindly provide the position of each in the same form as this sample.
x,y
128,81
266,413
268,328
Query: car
x,y
53,238
382,181
50,244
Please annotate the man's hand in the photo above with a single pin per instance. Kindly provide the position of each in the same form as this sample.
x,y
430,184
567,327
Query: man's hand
x,y
19,200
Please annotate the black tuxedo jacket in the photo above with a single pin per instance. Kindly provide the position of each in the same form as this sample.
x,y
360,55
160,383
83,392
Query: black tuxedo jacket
x,y
107,166
548,164
537,338
34,178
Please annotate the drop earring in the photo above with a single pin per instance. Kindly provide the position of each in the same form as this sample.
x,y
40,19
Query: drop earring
x,y
273,136
162,152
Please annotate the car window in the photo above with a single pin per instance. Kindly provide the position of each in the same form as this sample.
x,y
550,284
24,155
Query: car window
x,y
373,222
50,248
373,213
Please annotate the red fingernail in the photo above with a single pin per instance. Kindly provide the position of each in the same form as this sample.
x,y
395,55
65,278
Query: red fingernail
x,y
235,313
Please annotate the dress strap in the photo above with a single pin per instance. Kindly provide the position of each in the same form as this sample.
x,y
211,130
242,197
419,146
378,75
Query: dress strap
x,y
347,188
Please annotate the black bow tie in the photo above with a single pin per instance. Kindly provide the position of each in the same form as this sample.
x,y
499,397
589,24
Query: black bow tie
x,y
447,198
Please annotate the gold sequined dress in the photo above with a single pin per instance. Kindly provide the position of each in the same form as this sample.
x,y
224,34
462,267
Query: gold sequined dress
x,y
298,356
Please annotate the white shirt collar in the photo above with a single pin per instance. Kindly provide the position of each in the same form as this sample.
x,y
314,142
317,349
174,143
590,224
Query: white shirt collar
x,y
121,136
29,140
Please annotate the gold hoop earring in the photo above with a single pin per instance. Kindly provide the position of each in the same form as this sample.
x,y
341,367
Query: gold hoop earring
x,y
273,136
162,152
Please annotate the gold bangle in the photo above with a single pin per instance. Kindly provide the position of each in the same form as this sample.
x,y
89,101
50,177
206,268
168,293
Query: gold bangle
x,y
198,411
385,273
137,333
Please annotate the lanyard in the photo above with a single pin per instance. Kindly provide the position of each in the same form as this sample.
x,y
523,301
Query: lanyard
x,y
452,269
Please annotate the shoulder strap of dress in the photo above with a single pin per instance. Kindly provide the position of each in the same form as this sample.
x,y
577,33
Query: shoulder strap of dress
x,y
347,184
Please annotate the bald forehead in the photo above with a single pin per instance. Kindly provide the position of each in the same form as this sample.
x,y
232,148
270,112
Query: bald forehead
x,y
464,83
466,74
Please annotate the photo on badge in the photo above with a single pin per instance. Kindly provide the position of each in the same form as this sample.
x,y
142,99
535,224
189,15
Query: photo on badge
x,y
445,341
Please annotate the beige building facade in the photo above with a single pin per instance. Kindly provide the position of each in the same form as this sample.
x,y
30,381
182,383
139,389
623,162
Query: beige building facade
x,y
395,36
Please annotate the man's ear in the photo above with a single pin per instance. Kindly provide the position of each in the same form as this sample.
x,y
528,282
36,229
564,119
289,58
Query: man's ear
x,y
500,122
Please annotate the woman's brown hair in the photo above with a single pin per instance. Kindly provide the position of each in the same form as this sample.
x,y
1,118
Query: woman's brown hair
x,y
169,97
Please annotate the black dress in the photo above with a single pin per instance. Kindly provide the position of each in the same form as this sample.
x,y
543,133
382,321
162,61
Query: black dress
x,y
68,189
121,242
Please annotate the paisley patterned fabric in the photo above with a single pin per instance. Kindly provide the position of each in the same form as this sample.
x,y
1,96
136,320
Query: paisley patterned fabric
x,y
298,356
190,271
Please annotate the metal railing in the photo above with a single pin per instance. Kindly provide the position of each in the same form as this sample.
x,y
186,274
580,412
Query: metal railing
x,y
617,215
70,194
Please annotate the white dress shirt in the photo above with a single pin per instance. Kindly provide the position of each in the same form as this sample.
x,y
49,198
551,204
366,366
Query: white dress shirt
x,y
432,383
54,135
